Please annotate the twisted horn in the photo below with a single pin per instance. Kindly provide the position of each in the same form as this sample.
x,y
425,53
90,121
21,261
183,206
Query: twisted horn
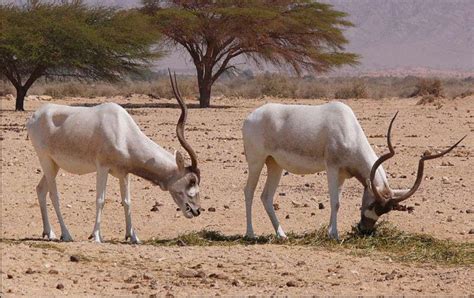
x,y
419,175
381,159
182,123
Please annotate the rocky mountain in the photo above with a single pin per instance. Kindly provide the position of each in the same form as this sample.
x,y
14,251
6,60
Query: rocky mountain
x,y
436,34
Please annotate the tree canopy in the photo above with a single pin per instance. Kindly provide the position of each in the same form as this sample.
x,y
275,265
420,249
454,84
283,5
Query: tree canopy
x,y
71,39
303,35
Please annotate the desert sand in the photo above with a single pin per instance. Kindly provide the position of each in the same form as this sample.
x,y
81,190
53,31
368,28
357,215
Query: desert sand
x,y
443,208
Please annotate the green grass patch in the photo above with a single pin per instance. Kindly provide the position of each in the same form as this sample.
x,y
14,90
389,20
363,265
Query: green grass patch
x,y
386,240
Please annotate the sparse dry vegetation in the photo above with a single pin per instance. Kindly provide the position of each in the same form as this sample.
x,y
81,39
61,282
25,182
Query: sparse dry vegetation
x,y
355,90
247,85
430,87
387,239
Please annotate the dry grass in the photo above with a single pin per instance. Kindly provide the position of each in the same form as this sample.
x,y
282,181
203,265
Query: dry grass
x,y
386,240
258,86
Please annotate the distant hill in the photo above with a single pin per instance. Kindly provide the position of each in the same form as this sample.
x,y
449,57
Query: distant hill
x,y
436,34
393,36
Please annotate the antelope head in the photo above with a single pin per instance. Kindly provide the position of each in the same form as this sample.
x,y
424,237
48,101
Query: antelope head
x,y
184,187
380,200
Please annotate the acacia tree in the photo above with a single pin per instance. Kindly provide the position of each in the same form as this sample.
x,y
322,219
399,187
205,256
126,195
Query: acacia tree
x,y
71,39
300,34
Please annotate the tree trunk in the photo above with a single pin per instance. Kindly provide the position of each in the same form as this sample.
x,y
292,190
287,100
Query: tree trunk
x,y
205,94
20,98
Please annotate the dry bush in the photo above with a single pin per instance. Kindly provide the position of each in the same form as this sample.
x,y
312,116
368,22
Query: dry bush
x,y
464,94
432,87
311,89
355,90
427,99
257,86
276,86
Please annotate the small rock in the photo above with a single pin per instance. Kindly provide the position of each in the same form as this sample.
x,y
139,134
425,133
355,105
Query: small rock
x,y
29,271
74,258
59,286
296,204
211,209
301,263
439,212
188,273
313,214
449,219
207,197
445,180
469,211
291,283
38,171
282,194
181,242
287,216
471,231
53,271
218,276
147,276
155,207
391,276
286,173
226,207
219,265
69,206
237,283
403,176
307,185
136,286
447,164
321,206
9,276
276,206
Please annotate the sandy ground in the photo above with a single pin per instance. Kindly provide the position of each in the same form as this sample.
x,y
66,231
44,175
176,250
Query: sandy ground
x,y
31,266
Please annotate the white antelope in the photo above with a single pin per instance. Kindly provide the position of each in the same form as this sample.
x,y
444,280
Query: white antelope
x,y
309,139
106,140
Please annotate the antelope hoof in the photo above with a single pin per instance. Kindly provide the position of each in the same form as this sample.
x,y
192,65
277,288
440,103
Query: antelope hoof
x,y
133,238
96,237
49,235
66,238
333,235
249,235
280,234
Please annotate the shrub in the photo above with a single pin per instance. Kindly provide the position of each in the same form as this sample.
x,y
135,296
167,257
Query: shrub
x,y
356,90
276,85
428,87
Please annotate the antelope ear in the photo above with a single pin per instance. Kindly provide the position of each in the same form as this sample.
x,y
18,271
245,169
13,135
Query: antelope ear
x,y
179,161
